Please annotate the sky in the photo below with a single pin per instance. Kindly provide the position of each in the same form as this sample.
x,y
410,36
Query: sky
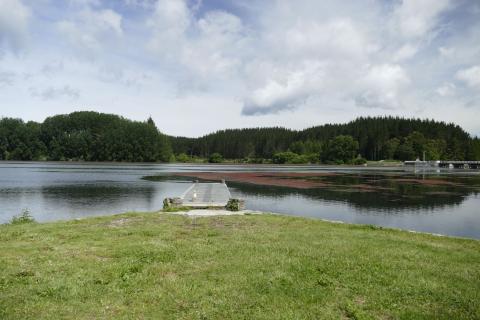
x,y
197,66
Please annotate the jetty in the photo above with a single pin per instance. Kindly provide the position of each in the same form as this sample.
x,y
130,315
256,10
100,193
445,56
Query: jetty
x,y
443,164
206,195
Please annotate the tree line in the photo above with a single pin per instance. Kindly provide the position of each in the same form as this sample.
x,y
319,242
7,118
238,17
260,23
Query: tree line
x,y
367,138
93,136
83,136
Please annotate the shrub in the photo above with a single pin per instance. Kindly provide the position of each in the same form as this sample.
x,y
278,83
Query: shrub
x,y
256,160
284,157
313,157
234,205
171,203
215,158
182,157
359,161
300,159
24,217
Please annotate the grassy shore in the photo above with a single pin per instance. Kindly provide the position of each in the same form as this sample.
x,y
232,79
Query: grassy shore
x,y
164,266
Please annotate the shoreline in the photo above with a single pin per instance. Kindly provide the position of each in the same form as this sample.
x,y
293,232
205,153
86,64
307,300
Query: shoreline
x,y
393,165
213,213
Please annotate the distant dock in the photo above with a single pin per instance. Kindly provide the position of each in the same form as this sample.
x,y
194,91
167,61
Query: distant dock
x,y
440,164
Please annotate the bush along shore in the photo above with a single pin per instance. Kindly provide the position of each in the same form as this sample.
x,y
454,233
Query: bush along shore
x,y
165,266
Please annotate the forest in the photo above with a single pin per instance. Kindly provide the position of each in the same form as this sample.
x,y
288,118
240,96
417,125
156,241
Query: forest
x,y
371,138
93,136
83,136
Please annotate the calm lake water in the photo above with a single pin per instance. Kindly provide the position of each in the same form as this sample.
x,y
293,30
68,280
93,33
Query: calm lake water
x,y
388,197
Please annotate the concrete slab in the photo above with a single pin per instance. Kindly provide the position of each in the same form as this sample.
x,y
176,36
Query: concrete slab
x,y
210,213
206,195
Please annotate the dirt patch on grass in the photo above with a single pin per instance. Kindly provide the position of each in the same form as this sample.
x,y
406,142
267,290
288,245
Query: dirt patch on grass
x,y
121,222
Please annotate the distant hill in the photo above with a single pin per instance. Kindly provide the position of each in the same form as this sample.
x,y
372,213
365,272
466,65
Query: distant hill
x,y
83,136
93,136
378,138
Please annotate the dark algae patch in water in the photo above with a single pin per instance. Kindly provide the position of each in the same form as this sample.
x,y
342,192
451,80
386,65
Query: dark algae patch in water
x,y
384,191
283,179
329,180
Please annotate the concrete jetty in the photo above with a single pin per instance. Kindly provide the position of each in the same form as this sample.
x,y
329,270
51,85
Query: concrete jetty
x,y
206,195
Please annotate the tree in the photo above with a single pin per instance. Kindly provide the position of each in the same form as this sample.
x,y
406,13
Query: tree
x,y
416,141
103,137
405,152
341,149
475,149
20,140
284,157
435,149
390,148
297,147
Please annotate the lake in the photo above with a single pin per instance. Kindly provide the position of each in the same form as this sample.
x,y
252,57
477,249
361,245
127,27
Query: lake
x,y
445,203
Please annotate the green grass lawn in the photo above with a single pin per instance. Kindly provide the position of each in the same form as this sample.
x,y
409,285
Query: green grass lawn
x,y
164,266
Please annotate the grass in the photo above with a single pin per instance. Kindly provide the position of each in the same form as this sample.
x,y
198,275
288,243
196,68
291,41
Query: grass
x,y
164,266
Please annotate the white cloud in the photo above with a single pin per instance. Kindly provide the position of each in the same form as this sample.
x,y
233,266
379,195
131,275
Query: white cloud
x,y
288,93
340,36
446,90
305,58
169,24
205,49
108,20
406,52
446,52
383,87
91,30
53,67
85,2
470,76
52,93
139,3
6,78
415,18
14,19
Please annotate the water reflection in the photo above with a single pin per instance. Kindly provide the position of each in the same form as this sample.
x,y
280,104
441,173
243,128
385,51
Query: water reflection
x,y
380,201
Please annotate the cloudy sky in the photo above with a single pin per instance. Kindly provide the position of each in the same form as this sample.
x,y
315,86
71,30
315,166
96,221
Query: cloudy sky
x,y
197,66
